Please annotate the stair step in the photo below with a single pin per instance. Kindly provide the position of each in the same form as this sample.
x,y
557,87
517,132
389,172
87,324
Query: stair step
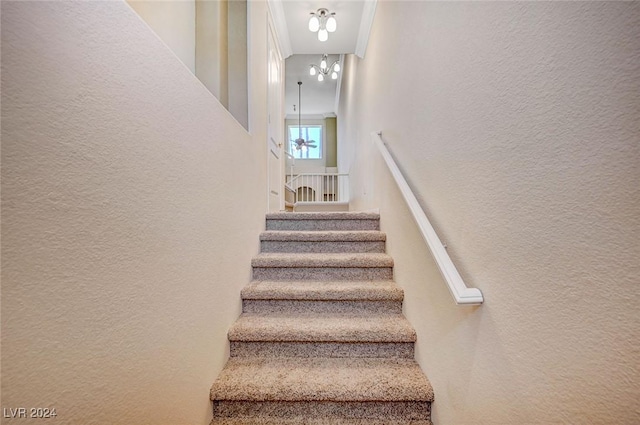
x,y
323,290
258,389
257,379
322,297
319,306
324,266
322,328
323,221
304,420
313,260
405,350
322,412
322,335
322,241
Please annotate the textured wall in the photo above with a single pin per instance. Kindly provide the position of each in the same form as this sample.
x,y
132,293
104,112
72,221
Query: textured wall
x,y
175,23
518,127
126,232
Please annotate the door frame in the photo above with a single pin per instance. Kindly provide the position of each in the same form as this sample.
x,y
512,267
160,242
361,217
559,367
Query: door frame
x,y
276,116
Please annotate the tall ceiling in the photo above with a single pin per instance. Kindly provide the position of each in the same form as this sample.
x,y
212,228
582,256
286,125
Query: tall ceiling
x,y
348,15
302,48
317,97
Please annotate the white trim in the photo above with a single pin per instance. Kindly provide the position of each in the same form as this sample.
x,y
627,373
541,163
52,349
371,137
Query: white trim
x,y
271,38
304,117
336,106
461,293
281,29
368,12
250,61
323,142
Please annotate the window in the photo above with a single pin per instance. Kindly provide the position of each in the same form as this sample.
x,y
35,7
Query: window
x,y
312,134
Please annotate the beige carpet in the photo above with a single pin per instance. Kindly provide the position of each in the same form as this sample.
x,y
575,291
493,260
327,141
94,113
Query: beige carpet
x,y
322,339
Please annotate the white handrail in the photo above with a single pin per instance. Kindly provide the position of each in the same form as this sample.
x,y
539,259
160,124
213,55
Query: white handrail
x,y
292,163
461,293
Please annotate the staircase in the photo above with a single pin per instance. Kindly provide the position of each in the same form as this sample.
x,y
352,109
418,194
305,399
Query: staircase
x,y
322,338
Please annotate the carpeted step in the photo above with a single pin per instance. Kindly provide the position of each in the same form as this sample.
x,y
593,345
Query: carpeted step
x,y
322,296
323,290
323,221
322,339
324,266
322,387
324,412
322,335
322,241
304,420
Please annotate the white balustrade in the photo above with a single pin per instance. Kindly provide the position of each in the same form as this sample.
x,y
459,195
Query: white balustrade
x,y
320,187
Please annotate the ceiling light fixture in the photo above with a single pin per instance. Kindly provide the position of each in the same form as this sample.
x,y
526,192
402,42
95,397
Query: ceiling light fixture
x,y
323,22
324,70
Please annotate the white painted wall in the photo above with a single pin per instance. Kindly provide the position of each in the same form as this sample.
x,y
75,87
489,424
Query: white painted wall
x,y
126,232
237,51
518,127
175,23
210,37
212,47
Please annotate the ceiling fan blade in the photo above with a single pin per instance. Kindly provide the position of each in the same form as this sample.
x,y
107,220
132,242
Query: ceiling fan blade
x,y
311,146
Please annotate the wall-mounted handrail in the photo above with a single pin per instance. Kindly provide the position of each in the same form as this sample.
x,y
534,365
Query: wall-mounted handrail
x,y
461,293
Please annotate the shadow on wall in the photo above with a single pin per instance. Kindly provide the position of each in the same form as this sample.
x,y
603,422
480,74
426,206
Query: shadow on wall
x,y
210,38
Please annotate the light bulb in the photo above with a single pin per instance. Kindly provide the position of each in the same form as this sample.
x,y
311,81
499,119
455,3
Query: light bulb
x,y
331,24
323,35
314,24
323,64
312,71
320,77
334,75
336,67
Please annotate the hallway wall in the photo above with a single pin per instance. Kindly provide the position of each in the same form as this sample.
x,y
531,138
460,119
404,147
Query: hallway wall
x,y
126,232
517,126
210,38
175,24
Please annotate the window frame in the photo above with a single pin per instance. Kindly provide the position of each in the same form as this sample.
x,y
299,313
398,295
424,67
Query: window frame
x,y
322,145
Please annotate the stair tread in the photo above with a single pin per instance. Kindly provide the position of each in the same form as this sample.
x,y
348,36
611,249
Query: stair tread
x,y
323,235
343,215
304,420
338,260
323,290
321,379
322,327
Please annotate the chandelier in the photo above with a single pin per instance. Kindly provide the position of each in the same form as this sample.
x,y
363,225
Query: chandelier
x,y
323,23
323,70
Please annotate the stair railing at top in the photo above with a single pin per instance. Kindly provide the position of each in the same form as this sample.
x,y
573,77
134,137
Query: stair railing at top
x,y
290,162
461,293
322,188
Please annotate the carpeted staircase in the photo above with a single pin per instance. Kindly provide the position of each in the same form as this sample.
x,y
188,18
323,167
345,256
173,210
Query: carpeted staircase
x,y
322,338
